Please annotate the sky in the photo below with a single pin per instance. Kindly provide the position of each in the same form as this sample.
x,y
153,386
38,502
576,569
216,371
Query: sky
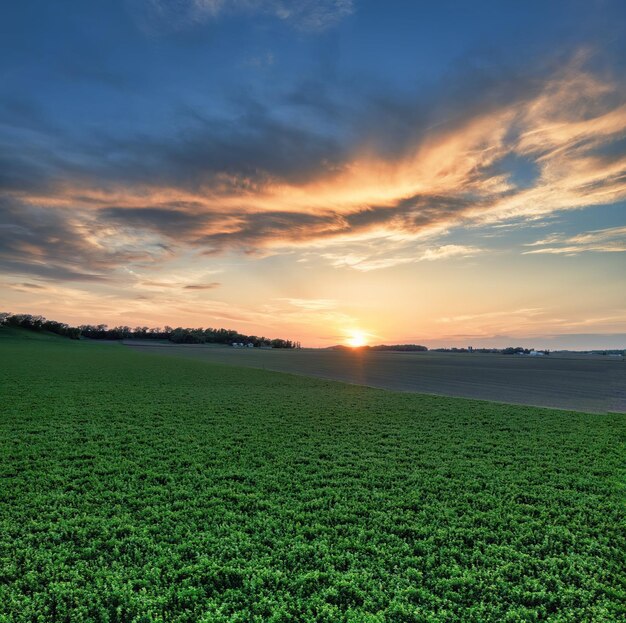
x,y
445,173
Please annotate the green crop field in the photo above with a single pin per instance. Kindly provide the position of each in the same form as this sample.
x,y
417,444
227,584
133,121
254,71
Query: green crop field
x,y
141,488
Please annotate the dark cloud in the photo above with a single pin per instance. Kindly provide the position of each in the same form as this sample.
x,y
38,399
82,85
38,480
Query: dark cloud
x,y
192,286
33,286
258,145
47,243
255,230
238,153
203,286
412,213
55,271
245,231
262,141
171,222
24,287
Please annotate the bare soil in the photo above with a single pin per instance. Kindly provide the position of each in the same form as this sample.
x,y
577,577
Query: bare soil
x,y
595,384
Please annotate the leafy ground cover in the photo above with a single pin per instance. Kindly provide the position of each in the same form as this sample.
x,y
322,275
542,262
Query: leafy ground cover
x,y
141,488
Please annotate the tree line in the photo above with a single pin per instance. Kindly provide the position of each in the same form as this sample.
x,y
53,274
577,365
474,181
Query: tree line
x,y
178,335
396,347
509,350
39,323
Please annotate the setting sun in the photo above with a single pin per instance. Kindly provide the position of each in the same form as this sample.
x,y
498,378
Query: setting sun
x,y
356,339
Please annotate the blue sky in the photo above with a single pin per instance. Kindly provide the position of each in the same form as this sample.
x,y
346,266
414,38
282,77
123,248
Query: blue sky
x,y
315,166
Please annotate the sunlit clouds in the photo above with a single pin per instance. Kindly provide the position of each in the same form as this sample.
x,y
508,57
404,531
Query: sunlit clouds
x,y
459,174
288,193
610,240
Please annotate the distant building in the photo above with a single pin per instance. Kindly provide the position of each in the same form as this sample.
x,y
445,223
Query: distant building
x,y
536,353
249,345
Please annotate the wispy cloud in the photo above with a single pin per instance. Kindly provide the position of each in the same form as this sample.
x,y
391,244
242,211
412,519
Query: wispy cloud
x,y
366,262
176,282
167,15
527,312
24,286
532,321
449,250
610,240
260,61
310,304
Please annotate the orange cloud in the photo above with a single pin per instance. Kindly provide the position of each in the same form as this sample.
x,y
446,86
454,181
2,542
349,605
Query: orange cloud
x,y
453,175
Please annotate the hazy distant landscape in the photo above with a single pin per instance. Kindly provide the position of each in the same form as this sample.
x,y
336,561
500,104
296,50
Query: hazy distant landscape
x,y
591,383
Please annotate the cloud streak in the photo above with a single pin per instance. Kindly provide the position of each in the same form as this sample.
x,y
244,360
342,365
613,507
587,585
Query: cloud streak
x,y
367,262
203,286
610,240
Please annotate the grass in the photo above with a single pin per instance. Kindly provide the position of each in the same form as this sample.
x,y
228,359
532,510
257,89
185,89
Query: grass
x,y
141,488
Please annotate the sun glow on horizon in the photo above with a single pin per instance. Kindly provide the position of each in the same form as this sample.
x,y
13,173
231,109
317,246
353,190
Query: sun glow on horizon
x,y
356,338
